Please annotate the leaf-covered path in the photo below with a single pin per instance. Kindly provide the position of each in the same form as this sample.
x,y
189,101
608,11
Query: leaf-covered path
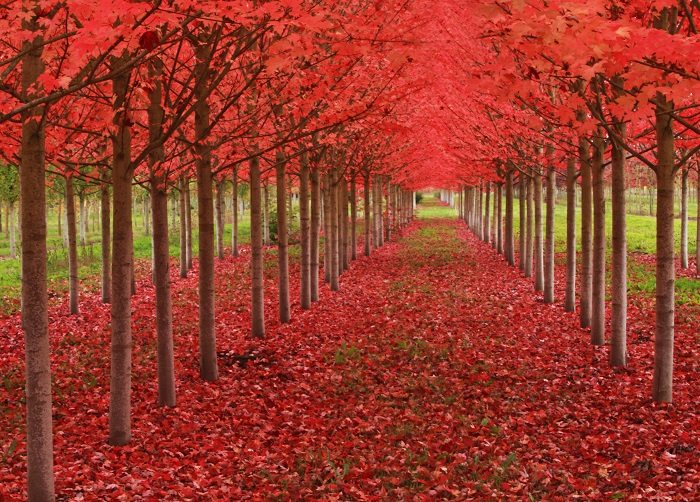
x,y
434,372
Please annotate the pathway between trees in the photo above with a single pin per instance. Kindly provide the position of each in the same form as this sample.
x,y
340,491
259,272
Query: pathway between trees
x,y
434,371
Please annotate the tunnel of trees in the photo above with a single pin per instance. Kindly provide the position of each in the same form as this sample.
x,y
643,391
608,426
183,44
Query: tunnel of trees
x,y
147,145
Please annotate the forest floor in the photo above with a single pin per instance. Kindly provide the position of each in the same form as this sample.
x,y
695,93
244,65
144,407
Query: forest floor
x,y
436,372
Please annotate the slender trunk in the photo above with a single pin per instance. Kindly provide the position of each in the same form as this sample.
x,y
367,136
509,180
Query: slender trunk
x,y
234,207
304,231
188,222
219,218
315,231
586,233
522,192
83,219
487,218
342,216
122,270
40,482
598,305
684,218
158,196
529,243
662,390
205,218
282,238
344,220
618,349
11,225
183,227
480,212
256,245
380,209
376,213
570,302
327,250
334,235
72,247
510,258
266,214
549,237
164,315
499,218
367,214
539,250
353,216
105,209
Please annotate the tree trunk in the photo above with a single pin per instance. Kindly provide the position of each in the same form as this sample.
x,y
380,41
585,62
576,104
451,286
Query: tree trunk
x,y
367,215
282,238
380,210
487,218
183,227
662,390
164,315
122,270
549,244
40,482
522,192
529,243
586,233
684,218
234,206
158,196
256,245
72,247
539,250
315,231
83,220
305,231
343,206
570,301
205,218
510,258
353,217
266,214
335,234
327,249
618,349
598,305
219,218
105,209
188,222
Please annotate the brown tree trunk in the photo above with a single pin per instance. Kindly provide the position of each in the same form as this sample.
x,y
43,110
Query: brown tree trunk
x,y
598,305
529,242
72,247
122,270
662,389
305,233
353,217
539,250
510,258
205,217
380,209
161,245
522,192
256,244
40,482
327,249
183,227
219,218
570,301
266,215
335,233
188,222
487,218
344,220
282,238
234,204
106,229
618,349
315,231
549,237
684,218
586,233
367,215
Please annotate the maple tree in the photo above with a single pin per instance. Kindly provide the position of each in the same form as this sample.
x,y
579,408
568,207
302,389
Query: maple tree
x,y
354,106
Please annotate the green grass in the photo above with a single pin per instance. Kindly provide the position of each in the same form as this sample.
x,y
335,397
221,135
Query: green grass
x,y
430,208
